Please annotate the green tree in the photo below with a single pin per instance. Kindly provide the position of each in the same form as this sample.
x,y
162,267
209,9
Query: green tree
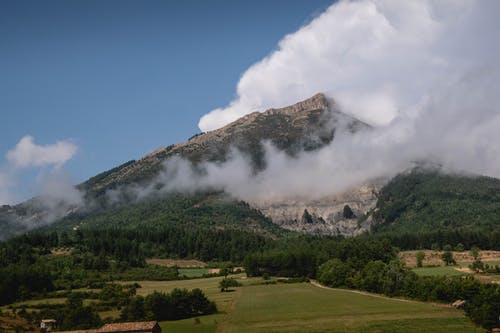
x,y
447,258
474,252
135,310
420,258
227,283
77,316
334,273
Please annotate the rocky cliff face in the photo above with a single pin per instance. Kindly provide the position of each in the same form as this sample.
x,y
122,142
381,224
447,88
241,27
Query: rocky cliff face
x,y
325,216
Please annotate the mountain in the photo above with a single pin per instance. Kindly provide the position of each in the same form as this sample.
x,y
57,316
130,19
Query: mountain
x,y
306,125
412,201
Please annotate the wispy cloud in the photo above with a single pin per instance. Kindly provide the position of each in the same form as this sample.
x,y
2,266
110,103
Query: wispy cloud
x,y
28,154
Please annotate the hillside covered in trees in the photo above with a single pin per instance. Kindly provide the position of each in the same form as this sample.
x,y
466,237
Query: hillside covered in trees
x,y
421,208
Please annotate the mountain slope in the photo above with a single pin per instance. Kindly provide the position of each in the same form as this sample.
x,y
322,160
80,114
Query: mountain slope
x,y
199,210
306,125
413,201
424,200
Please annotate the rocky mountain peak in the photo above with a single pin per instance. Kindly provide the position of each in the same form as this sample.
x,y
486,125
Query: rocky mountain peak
x,y
316,102
306,125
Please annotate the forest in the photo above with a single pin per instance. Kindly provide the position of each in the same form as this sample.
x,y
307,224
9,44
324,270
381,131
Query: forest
x,y
29,269
416,210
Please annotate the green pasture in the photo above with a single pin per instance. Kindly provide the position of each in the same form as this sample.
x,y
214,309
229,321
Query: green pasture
x,y
440,270
307,308
193,272
301,307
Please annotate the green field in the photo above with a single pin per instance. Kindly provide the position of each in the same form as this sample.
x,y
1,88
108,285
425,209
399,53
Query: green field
x,y
440,270
193,272
307,308
301,307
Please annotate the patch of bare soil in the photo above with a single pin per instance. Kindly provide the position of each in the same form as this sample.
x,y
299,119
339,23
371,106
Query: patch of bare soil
x,y
9,324
61,252
434,257
184,263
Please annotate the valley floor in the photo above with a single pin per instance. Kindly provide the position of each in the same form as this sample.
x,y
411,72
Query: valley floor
x,y
304,307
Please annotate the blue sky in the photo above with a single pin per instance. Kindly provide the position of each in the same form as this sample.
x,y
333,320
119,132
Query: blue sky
x,y
119,78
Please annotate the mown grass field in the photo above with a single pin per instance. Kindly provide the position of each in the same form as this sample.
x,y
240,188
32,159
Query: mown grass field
x,y
301,307
306,308
437,271
206,324
193,272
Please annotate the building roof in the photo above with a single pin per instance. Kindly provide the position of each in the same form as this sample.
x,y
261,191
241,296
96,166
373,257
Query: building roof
x,y
48,320
128,327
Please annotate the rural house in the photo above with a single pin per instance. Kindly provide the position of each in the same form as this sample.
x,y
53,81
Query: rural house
x,y
47,325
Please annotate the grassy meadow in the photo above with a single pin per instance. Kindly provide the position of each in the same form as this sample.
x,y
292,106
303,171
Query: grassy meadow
x,y
303,307
307,308
439,270
193,272
300,307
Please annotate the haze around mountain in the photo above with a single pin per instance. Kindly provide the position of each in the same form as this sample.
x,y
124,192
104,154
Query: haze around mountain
x,y
425,73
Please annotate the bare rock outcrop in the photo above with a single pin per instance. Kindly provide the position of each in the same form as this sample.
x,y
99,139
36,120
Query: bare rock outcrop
x,y
326,213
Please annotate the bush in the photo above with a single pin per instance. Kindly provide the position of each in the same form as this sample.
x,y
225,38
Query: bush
x,y
227,283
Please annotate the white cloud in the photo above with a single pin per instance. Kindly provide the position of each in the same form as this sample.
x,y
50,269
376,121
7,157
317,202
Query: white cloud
x,y
377,58
53,184
425,72
28,154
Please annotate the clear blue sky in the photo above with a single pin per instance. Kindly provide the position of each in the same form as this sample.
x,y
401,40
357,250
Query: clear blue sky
x,y
121,78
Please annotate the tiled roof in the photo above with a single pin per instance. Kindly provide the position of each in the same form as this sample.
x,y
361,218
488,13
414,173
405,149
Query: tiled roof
x,y
130,327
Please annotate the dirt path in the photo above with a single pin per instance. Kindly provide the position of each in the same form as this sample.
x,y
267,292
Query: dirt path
x,y
222,328
317,284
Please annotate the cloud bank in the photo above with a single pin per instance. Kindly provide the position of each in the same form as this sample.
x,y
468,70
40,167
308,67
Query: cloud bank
x,y
377,58
425,73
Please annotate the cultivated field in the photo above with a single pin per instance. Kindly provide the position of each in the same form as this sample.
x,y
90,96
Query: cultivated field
x,y
308,308
182,263
440,270
434,257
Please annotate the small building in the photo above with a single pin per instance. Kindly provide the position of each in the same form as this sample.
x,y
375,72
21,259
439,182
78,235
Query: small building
x,y
48,325
458,304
